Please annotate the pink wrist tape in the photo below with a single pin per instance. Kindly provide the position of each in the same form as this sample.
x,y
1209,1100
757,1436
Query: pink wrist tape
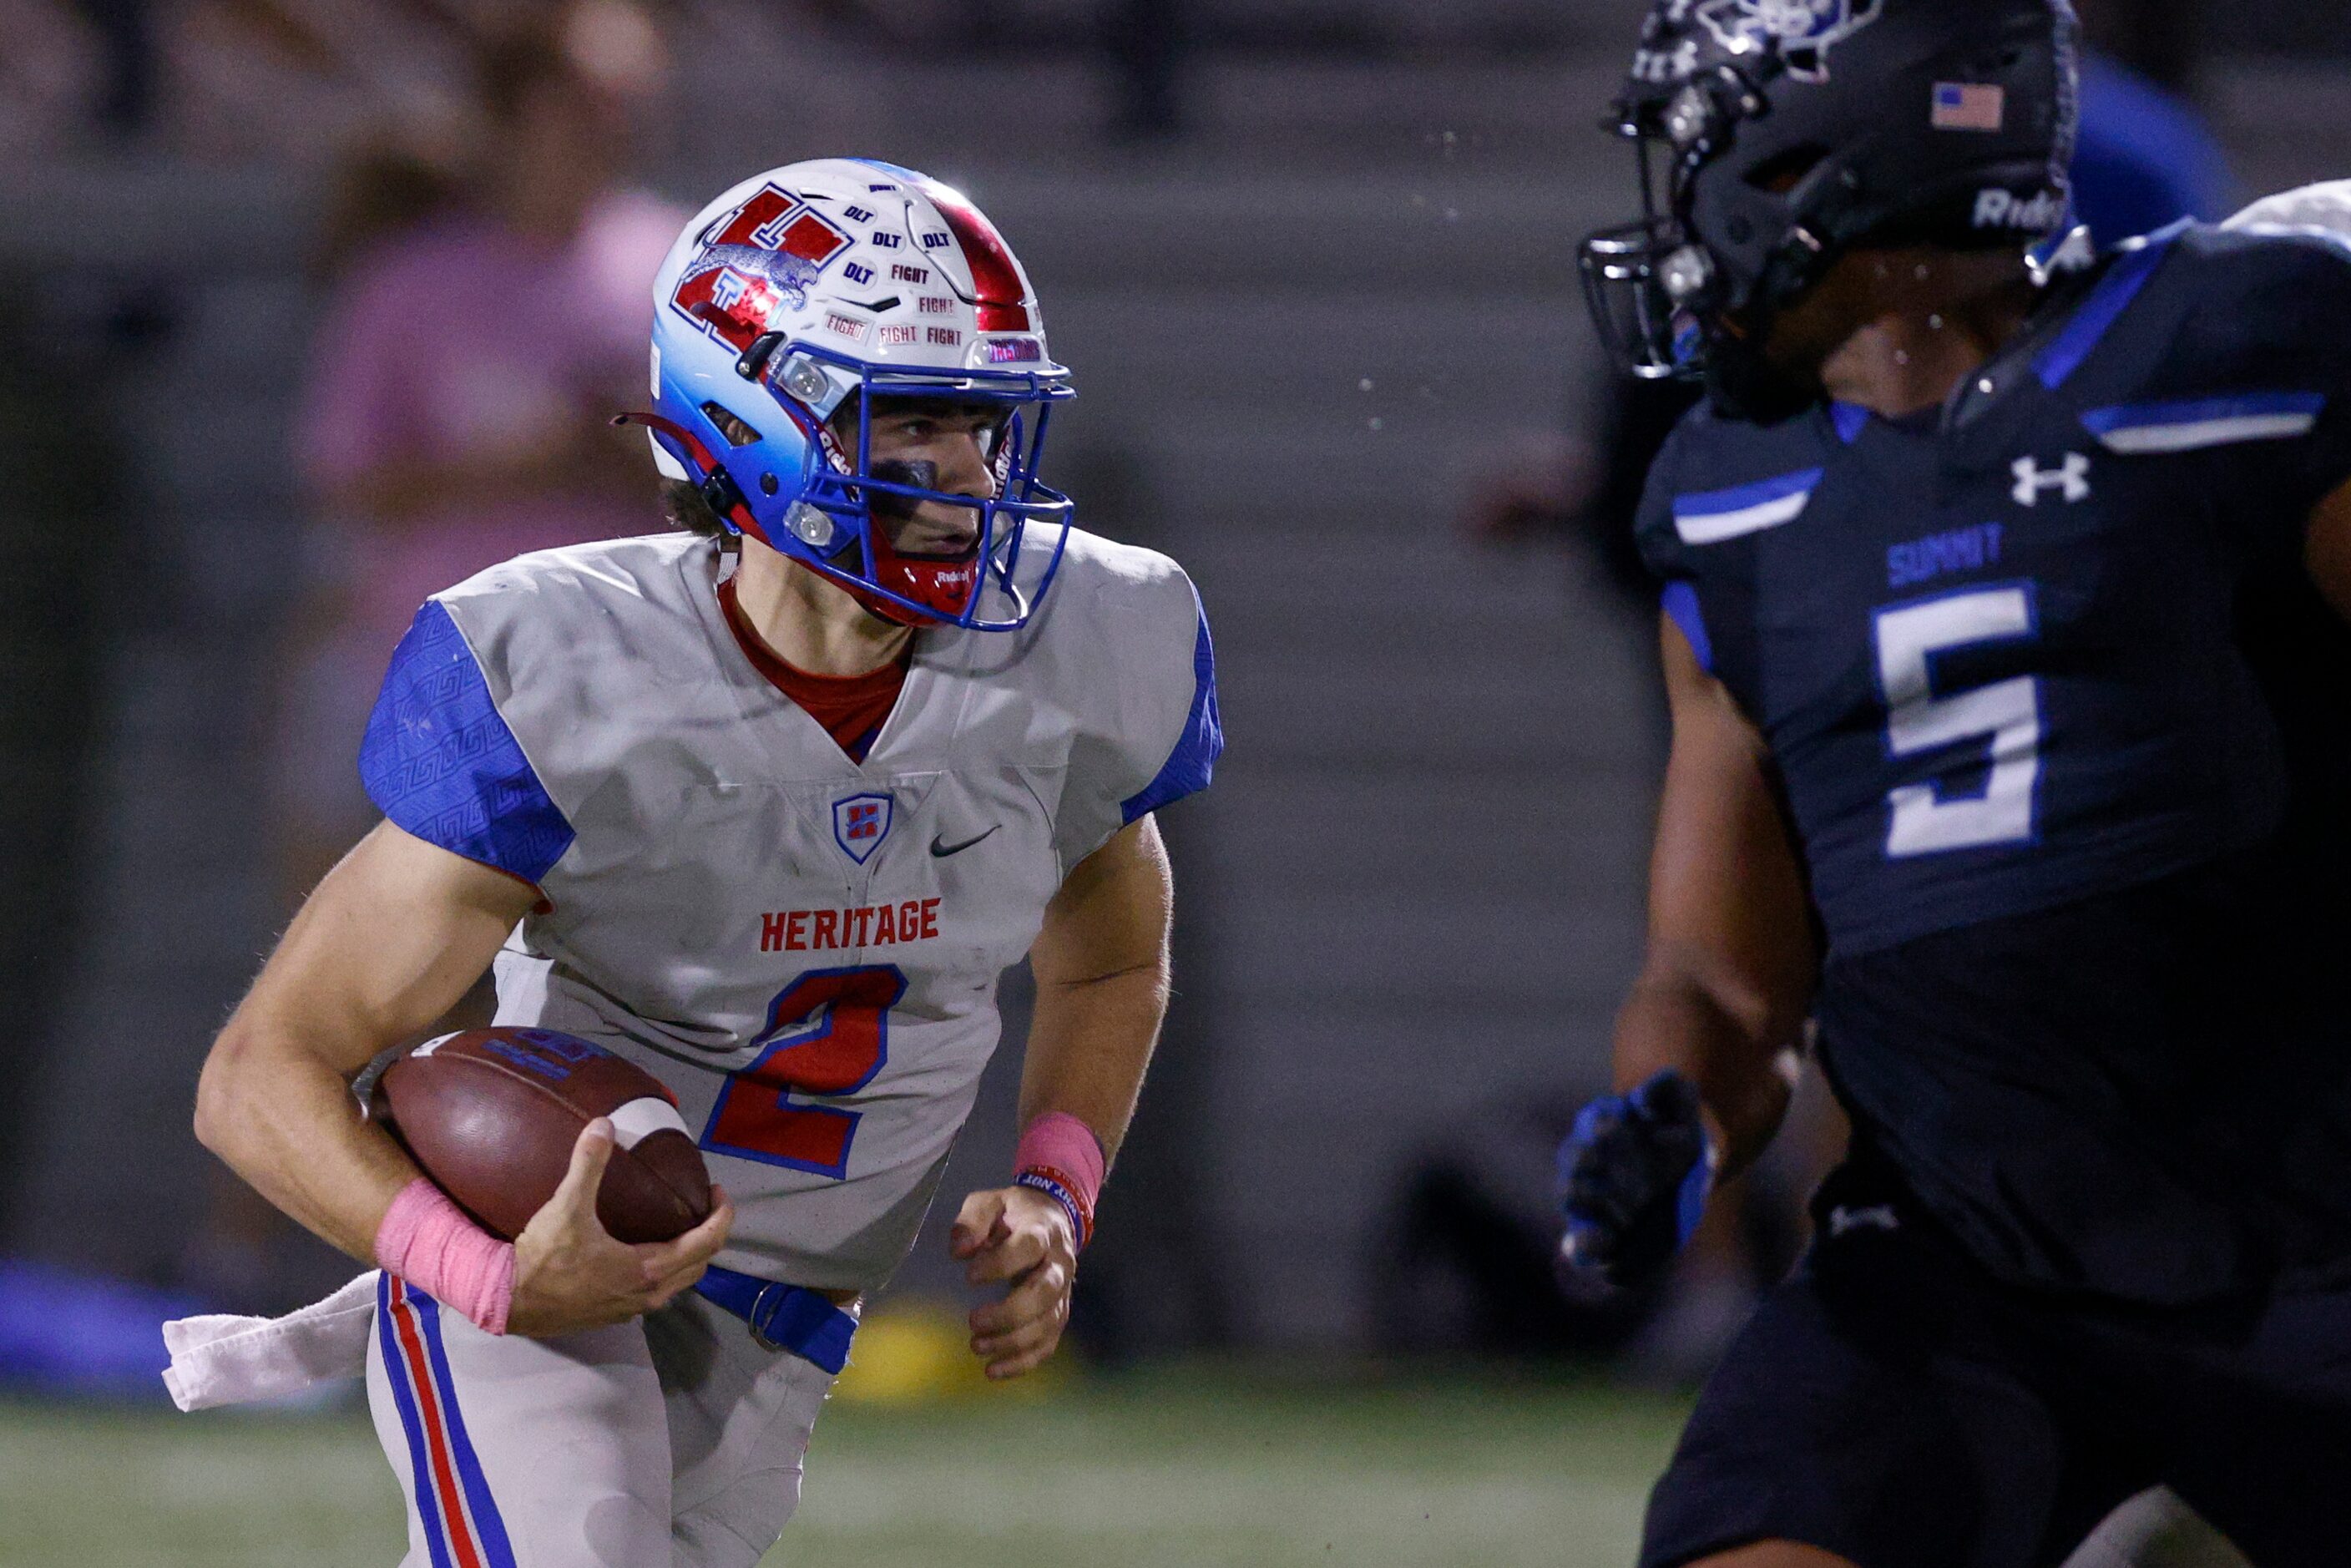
x,y
1064,1150
427,1240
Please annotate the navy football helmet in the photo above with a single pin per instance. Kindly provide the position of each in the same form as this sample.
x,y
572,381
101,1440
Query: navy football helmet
x,y
1773,135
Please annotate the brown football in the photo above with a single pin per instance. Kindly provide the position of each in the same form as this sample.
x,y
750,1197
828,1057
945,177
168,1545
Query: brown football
x,y
492,1115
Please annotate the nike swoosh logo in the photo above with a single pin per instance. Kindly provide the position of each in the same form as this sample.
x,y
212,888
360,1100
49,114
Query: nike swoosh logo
x,y
941,848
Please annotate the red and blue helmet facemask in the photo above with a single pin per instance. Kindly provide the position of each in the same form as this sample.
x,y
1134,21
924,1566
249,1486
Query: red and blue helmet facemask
x,y
809,487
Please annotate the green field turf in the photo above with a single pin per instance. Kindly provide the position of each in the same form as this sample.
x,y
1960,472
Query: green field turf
x,y
1193,1468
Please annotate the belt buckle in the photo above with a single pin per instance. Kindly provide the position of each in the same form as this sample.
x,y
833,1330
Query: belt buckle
x,y
759,1317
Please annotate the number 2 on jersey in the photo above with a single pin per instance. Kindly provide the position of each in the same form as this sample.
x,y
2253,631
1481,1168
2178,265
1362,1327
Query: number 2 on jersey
x,y
828,1033
2007,714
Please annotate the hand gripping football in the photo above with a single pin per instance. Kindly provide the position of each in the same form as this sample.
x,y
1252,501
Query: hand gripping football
x,y
492,1115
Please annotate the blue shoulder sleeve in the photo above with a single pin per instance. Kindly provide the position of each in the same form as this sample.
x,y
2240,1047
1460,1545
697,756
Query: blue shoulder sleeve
x,y
1193,762
440,761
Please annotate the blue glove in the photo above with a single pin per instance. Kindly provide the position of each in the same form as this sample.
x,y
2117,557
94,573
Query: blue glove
x,y
1633,1179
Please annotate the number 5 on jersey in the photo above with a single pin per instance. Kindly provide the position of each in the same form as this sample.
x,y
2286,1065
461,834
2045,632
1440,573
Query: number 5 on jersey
x,y
828,1033
2007,714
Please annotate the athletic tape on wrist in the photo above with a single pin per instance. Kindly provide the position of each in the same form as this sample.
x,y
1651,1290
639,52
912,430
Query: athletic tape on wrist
x,y
1066,1157
427,1240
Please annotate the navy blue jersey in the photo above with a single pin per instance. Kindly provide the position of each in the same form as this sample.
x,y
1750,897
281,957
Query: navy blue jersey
x,y
2047,657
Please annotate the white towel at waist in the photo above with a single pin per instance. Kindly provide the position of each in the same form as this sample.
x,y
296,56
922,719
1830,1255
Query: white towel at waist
x,y
224,1360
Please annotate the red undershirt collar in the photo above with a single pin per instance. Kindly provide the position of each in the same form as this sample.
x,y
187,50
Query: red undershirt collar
x,y
851,708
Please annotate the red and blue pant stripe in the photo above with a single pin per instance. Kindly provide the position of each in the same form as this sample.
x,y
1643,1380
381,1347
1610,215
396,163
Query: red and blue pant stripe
x,y
462,1527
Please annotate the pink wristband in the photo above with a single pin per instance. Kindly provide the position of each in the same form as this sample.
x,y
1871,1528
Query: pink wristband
x,y
1059,1145
428,1241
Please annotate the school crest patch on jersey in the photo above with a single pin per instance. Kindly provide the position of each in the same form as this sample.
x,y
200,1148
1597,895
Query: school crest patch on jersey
x,y
859,823
1806,30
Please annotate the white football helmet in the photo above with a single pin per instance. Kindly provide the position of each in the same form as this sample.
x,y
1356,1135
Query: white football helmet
x,y
819,282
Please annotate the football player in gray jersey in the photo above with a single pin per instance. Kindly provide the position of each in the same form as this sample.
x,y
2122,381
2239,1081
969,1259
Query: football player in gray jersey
x,y
765,805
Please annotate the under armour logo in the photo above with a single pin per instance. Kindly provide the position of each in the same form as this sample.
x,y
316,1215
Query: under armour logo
x,y
2073,477
1878,1216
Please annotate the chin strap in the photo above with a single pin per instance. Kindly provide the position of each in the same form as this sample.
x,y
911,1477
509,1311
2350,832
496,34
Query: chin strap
x,y
725,499
719,489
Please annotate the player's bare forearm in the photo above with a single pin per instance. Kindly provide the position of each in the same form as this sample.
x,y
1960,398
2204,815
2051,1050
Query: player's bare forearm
x,y
287,1124
1102,970
389,940
1732,959
2326,550
1743,1081
1101,966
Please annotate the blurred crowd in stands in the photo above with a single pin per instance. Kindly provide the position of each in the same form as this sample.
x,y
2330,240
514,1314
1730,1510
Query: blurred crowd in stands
x,y
234,81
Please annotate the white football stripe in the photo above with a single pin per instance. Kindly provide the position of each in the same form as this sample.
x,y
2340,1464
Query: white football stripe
x,y
1713,528
2201,433
435,1043
640,1119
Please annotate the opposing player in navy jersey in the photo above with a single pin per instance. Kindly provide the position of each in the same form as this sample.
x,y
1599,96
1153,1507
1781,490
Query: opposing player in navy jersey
x,y
2012,746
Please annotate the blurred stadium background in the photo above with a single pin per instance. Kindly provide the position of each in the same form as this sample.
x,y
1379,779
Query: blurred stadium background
x,y
1312,261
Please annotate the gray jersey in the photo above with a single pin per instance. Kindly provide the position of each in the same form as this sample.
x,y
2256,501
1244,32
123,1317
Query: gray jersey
x,y
803,947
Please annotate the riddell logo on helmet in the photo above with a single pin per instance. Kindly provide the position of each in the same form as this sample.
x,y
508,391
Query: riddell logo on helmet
x,y
1998,209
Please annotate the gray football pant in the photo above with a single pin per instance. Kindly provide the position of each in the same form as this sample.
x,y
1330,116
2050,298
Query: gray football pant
x,y
674,1440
